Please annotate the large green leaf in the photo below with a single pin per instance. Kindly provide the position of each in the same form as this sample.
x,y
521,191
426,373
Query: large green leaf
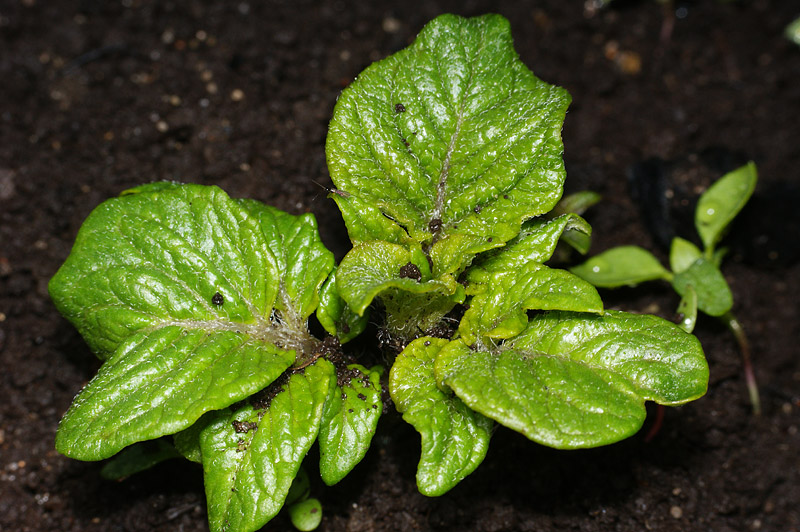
x,y
499,311
454,438
160,382
453,140
621,266
195,300
578,380
349,421
713,294
723,200
252,454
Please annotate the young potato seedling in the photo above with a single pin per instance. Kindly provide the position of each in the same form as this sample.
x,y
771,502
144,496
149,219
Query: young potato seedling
x,y
693,273
450,154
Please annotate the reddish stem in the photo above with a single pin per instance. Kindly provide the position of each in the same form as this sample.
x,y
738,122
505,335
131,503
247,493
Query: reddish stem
x,y
659,421
747,366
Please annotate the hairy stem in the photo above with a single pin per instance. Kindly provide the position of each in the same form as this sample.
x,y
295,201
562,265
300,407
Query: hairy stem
x,y
744,348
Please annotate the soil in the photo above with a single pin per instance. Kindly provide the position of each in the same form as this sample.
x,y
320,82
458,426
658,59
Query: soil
x,y
97,97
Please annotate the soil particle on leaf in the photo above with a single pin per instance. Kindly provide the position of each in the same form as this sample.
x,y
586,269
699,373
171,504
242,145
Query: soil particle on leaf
x,y
410,271
243,427
345,375
262,399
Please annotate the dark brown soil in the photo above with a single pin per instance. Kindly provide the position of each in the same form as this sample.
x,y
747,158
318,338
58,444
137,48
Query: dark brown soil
x,y
100,96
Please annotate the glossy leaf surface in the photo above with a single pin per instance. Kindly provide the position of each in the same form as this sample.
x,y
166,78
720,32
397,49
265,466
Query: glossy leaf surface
x,y
453,139
723,200
499,311
349,421
578,380
249,465
196,301
621,266
454,438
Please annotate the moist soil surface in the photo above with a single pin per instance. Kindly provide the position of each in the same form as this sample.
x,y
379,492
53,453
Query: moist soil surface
x,y
97,97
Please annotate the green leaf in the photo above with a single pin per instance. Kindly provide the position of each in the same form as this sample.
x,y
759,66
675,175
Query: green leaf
x,y
349,420
306,515
303,260
452,139
682,254
161,382
139,457
621,266
723,200
195,300
300,488
187,441
499,311
157,256
577,203
687,310
536,243
714,296
454,438
335,315
412,303
578,380
249,465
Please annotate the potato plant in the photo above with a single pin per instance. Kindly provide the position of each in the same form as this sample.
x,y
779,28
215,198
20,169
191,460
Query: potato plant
x,y
447,158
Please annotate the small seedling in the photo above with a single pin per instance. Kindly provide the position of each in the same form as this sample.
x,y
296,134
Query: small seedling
x,y
450,152
693,273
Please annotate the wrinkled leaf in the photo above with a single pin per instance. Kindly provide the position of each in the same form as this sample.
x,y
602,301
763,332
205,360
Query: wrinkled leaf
x,y
161,382
536,243
349,420
175,286
578,380
682,254
248,471
303,260
621,266
723,200
412,303
157,256
454,438
452,138
139,457
335,315
499,311
714,296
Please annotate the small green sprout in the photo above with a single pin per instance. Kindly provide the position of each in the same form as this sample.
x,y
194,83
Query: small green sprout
x,y
694,273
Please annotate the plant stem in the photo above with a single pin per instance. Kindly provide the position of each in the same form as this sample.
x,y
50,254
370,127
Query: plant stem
x,y
744,348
